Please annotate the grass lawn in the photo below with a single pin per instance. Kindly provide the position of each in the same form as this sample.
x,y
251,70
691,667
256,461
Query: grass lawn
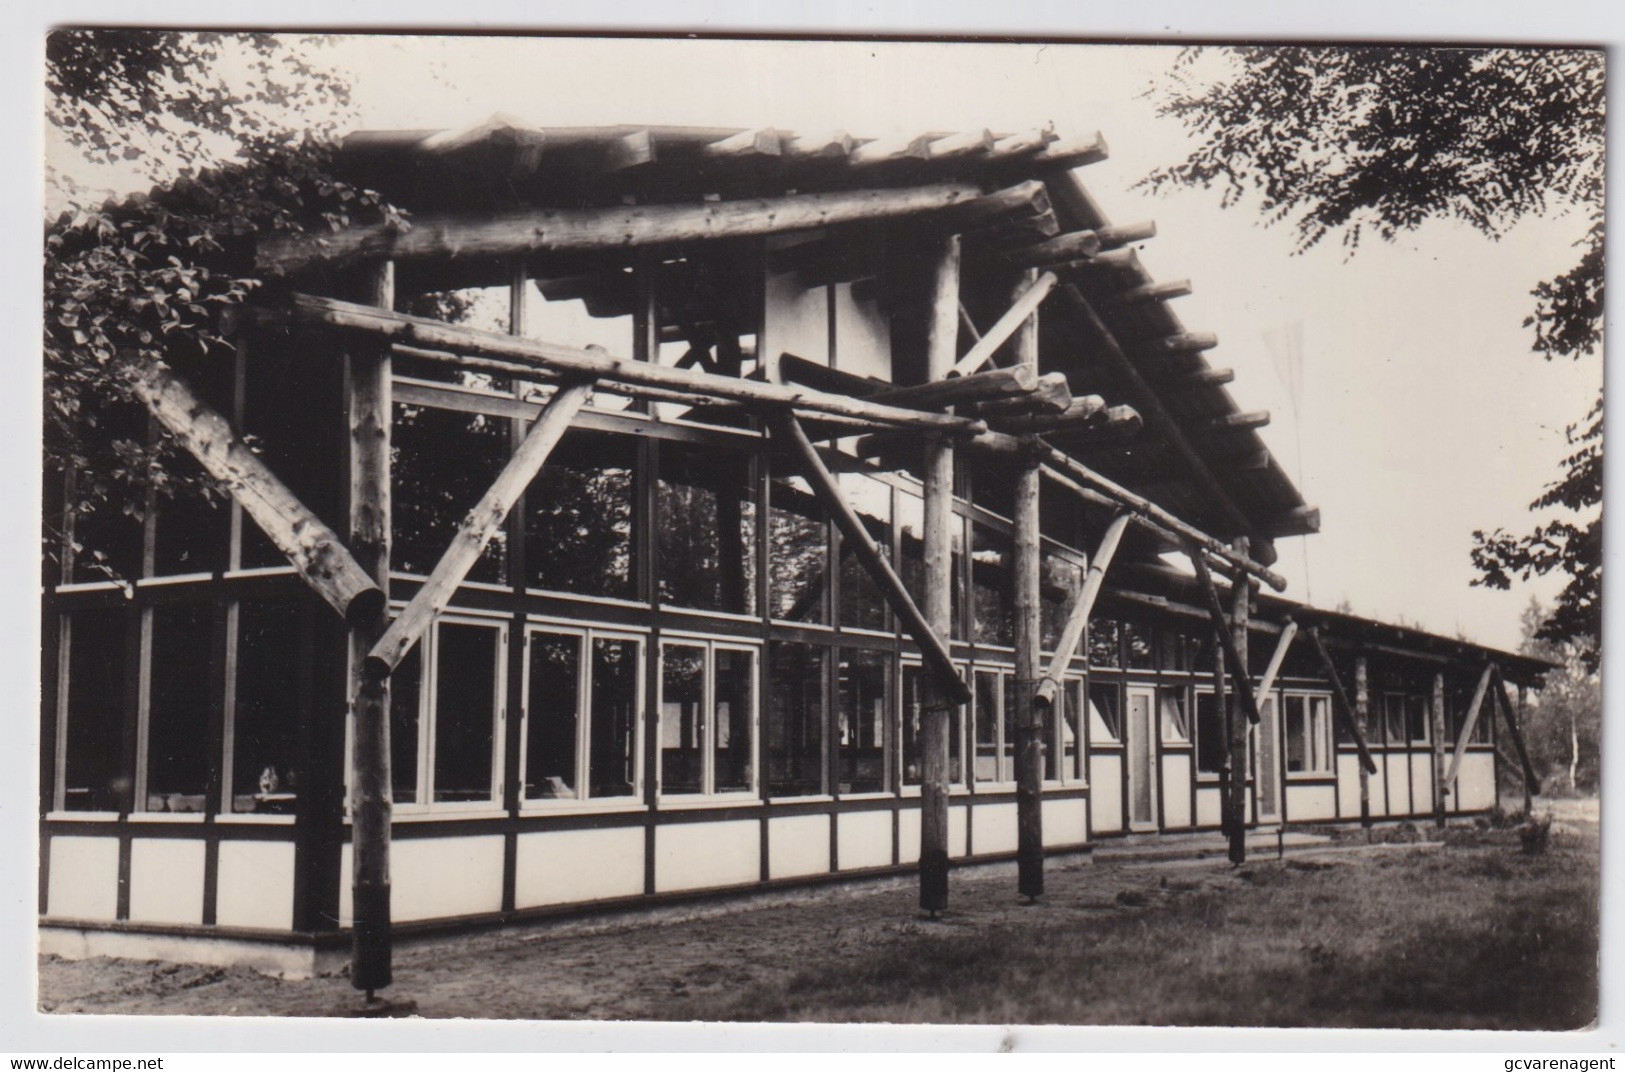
x,y
1466,934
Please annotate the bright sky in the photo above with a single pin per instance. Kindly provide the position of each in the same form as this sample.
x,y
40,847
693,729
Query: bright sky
x,y
1424,415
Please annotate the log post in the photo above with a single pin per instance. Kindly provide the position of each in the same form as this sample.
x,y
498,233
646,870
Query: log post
x,y
1342,707
1030,716
368,370
1436,717
1077,620
1235,802
1362,717
942,344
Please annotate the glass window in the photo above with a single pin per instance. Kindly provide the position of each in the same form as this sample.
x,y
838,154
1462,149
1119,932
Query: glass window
x,y
264,764
467,669
1172,703
93,750
914,716
299,440
1211,747
911,534
579,517
553,714
1060,580
862,605
795,719
682,719
179,706
707,718
616,673
405,727
1416,718
1105,643
995,750
1394,717
1105,712
444,461
798,553
992,590
864,688
706,515
1137,639
1063,738
1308,734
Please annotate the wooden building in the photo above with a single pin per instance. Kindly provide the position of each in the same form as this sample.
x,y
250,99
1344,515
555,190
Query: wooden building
x,y
740,555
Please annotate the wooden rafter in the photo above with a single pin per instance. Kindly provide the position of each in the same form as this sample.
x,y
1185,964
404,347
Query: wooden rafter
x,y
482,523
315,550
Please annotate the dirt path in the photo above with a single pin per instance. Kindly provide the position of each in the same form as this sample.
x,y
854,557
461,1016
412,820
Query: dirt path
x,y
1110,943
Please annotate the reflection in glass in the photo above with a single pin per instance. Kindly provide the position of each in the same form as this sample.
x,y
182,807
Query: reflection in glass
x,y
552,713
466,674
613,728
798,555
682,718
265,716
179,707
732,768
864,679
862,606
579,515
92,780
914,716
795,719
706,529
443,462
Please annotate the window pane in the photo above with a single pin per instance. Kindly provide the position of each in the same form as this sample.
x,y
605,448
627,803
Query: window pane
x,y
1105,711
733,766
795,719
914,716
1416,718
553,665
1139,646
1105,636
92,780
862,605
1007,754
180,705
612,754
405,688
798,558
992,593
465,698
707,529
1320,727
1175,725
987,726
1060,580
682,719
444,461
578,518
864,677
265,733
1073,701
1297,735
1211,746
911,534
1395,706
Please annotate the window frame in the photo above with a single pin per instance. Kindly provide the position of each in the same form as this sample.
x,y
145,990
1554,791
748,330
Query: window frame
x,y
586,634
1181,693
910,661
429,717
708,792
1318,725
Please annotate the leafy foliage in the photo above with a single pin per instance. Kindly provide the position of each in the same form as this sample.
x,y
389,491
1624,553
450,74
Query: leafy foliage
x,y
1342,141
1563,728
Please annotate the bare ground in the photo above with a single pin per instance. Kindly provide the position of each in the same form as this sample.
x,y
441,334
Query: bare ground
x,y
1466,933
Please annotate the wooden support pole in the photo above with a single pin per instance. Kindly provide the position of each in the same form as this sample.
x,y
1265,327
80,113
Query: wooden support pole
x,y
369,387
1113,424
534,231
432,336
1147,293
1017,382
1235,803
942,338
1340,699
1436,718
1362,716
1025,304
483,522
1468,724
315,550
1242,684
1283,642
1077,619
1030,715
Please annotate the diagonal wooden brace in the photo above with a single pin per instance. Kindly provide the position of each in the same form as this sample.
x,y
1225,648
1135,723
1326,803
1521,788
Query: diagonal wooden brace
x,y
1468,725
1529,778
1241,680
997,335
1340,698
315,550
1072,632
482,523
1266,684
787,430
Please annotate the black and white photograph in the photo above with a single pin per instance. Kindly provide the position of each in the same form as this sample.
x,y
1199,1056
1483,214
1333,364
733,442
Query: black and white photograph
x,y
820,529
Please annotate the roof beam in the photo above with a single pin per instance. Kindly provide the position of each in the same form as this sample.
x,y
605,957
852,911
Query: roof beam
x,y
525,233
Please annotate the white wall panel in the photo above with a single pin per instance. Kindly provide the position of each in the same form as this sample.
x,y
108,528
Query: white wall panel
x,y
1308,803
863,839
798,845
691,856
1176,790
436,878
993,828
166,880
1065,822
84,878
255,885
1106,793
570,866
